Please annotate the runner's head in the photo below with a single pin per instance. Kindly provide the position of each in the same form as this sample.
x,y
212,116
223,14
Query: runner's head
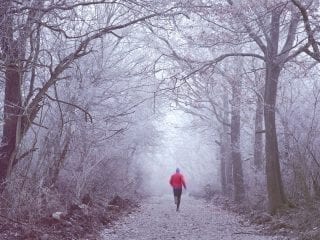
x,y
177,170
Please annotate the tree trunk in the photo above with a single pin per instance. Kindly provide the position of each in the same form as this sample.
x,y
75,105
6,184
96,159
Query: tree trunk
x,y
12,111
223,177
258,136
239,191
58,160
226,144
276,194
12,98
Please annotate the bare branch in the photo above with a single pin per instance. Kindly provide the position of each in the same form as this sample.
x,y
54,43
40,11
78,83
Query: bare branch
x,y
316,52
87,114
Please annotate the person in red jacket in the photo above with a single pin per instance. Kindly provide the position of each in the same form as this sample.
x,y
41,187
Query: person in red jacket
x,y
177,181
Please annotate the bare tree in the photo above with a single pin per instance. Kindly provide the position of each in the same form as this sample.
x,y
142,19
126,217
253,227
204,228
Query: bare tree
x,y
266,31
18,40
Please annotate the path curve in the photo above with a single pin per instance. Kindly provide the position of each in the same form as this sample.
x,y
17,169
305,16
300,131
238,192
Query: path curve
x,y
196,220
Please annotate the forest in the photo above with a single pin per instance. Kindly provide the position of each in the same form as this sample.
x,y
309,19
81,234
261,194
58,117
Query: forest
x,y
102,100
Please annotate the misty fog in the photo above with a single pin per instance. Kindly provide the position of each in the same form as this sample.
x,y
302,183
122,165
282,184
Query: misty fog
x,y
179,146
102,101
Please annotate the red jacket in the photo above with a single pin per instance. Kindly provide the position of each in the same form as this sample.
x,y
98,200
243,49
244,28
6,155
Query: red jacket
x,y
177,181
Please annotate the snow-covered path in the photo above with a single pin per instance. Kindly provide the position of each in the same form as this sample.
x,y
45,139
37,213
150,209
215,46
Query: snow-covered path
x,y
197,220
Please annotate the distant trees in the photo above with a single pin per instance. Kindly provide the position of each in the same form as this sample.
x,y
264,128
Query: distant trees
x,y
274,25
308,11
268,43
268,32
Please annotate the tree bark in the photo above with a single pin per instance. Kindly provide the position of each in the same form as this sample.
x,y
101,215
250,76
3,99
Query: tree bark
x,y
275,190
12,97
223,177
12,111
258,136
226,142
239,191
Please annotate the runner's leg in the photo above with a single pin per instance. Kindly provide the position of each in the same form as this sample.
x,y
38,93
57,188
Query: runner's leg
x,y
175,195
179,192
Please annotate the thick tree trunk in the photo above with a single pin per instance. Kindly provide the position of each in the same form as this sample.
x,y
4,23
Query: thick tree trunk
x,y
239,191
12,98
276,194
12,111
258,136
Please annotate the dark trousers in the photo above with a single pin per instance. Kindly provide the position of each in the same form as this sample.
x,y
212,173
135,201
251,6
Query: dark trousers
x,y
177,194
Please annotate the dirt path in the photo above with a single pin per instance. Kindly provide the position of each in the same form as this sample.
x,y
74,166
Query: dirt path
x,y
197,220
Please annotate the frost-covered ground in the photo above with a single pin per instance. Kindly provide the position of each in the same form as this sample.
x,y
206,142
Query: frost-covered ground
x,y
196,220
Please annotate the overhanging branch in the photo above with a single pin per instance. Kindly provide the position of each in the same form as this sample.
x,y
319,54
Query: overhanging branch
x,y
87,114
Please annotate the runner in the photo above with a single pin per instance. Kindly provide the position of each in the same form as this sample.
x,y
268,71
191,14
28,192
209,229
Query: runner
x,y
177,181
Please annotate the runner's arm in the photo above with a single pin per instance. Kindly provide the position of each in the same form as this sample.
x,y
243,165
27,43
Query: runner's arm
x,y
170,181
183,183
